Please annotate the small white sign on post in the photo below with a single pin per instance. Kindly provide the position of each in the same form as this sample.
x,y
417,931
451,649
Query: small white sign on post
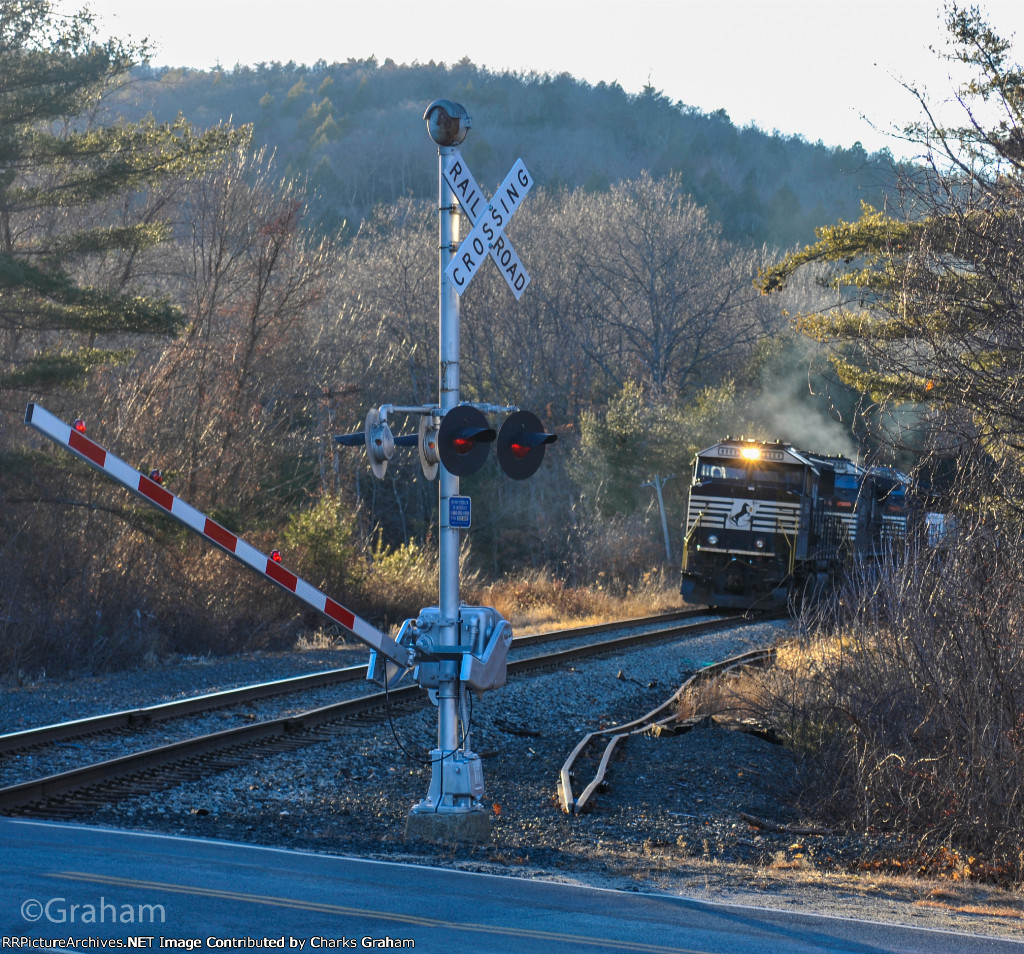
x,y
489,219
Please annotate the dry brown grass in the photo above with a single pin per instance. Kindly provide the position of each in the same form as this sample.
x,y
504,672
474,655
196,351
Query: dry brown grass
x,y
157,592
734,698
536,600
947,902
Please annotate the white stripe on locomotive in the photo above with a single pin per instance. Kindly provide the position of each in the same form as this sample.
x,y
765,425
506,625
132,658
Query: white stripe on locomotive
x,y
769,516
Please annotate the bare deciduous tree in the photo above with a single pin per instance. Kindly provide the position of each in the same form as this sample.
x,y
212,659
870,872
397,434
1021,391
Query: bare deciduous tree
x,y
222,393
662,297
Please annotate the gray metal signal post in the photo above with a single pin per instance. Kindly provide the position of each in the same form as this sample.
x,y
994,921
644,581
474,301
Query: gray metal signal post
x,y
457,649
453,806
453,768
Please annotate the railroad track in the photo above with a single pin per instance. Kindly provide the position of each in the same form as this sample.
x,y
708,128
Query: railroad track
x,y
134,719
79,789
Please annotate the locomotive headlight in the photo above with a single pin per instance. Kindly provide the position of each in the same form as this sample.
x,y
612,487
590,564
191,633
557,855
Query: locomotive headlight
x,y
712,539
751,453
759,544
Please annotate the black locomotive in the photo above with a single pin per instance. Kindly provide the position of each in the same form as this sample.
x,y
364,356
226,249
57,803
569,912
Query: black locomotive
x,y
768,523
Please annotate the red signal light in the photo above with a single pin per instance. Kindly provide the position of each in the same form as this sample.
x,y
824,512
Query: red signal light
x,y
275,555
463,440
80,426
156,477
521,443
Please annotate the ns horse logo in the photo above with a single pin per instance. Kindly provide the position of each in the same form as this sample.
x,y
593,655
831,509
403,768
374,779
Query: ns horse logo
x,y
743,517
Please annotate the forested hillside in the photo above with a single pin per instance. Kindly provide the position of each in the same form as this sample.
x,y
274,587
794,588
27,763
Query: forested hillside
x,y
354,130
221,271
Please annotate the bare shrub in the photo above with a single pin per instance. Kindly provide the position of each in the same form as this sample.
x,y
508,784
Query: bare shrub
x,y
908,698
324,543
403,580
94,583
613,553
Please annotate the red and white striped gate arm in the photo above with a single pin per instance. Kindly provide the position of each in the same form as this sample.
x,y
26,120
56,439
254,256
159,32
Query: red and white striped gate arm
x,y
92,453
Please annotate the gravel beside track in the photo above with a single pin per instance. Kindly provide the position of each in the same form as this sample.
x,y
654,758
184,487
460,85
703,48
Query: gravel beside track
x,y
45,701
669,822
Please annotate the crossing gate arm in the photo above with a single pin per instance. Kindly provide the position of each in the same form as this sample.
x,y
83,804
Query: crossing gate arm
x,y
153,493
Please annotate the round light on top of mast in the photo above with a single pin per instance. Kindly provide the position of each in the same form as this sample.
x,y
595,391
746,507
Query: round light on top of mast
x,y
447,122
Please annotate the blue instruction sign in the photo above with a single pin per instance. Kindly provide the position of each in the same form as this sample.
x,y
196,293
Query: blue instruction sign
x,y
459,512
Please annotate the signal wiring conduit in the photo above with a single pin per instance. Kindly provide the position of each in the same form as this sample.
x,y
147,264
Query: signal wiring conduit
x,y
663,715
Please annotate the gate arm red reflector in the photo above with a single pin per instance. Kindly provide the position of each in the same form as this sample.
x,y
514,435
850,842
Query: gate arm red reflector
x,y
92,453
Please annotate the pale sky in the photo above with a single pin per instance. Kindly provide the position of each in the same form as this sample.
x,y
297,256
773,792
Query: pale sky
x,y
823,69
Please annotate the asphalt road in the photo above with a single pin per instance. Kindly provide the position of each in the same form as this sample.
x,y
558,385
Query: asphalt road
x,y
142,891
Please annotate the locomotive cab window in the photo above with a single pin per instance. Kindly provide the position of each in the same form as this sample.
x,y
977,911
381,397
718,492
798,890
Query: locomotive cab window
x,y
848,487
780,476
716,470
756,473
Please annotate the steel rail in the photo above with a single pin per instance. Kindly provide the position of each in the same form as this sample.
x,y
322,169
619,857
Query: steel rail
x,y
25,796
597,628
552,660
574,805
135,763
179,708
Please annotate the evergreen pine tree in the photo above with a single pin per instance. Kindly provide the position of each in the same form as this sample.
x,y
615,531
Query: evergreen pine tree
x,y
927,316
58,170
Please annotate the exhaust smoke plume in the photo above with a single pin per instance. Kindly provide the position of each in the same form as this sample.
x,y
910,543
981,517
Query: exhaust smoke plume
x,y
783,412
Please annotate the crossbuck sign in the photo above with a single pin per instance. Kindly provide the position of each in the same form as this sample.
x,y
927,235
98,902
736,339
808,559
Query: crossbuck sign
x,y
489,220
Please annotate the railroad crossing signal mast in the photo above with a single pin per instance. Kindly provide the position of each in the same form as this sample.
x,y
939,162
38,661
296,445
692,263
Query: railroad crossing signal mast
x,y
454,440
450,649
453,807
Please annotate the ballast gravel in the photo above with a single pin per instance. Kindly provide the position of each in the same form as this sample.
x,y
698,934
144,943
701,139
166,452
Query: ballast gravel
x,y
674,818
